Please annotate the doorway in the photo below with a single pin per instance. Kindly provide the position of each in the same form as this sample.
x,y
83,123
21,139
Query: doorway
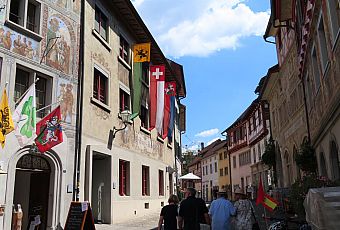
x,y
101,188
31,191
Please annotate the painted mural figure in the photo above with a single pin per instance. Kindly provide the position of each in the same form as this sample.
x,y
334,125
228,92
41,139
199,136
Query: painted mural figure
x,y
66,105
59,49
8,40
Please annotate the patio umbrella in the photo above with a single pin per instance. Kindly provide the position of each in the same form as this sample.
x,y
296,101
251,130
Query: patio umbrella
x,y
190,176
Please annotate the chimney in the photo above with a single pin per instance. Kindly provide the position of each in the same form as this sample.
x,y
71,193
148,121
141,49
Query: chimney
x,y
202,145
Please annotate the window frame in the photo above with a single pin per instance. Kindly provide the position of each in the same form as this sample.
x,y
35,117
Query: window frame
x,y
101,12
127,60
107,88
126,91
145,180
23,13
322,44
124,177
331,10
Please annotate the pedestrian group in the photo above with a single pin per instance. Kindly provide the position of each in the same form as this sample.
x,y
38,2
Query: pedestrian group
x,y
193,214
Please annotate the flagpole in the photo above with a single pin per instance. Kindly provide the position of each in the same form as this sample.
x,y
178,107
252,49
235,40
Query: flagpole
x,y
49,105
17,102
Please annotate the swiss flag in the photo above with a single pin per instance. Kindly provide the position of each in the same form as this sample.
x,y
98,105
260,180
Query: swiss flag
x,y
157,81
49,131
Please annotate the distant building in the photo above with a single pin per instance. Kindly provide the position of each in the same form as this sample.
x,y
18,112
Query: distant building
x,y
224,170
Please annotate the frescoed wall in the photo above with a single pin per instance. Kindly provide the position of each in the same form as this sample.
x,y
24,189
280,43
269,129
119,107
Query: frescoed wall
x,y
18,43
58,45
66,94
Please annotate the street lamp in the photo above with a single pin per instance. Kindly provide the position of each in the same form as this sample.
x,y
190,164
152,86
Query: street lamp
x,y
125,115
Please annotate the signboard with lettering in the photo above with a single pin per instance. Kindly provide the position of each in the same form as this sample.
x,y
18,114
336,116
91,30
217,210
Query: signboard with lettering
x,y
79,217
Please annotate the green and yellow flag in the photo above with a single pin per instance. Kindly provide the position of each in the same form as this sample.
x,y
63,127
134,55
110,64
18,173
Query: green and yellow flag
x,y
6,122
141,52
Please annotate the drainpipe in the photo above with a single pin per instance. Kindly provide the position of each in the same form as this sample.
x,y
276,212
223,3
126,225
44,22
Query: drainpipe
x,y
79,117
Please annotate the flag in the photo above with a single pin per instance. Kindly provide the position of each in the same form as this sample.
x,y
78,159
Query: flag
x,y
157,79
137,89
24,118
269,202
141,52
170,92
6,122
49,131
260,193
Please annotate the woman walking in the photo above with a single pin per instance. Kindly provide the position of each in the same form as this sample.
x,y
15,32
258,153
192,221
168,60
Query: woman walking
x,y
169,214
243,211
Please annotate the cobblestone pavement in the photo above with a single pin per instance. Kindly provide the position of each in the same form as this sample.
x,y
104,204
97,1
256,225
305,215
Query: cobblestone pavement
x,y
142,223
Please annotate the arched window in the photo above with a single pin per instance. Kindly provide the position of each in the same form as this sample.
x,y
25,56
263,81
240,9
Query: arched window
x,y
334,159
288,168
295,152
323,171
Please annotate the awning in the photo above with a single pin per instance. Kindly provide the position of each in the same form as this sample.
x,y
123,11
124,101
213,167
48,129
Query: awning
x,y
190,176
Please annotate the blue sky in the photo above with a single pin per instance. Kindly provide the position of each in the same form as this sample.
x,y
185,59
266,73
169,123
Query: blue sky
x,y
220,45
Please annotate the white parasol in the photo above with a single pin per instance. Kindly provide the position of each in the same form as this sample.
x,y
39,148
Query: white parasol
x,y
190,176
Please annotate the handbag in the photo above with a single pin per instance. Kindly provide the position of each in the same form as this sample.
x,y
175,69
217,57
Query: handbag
x,y
256,225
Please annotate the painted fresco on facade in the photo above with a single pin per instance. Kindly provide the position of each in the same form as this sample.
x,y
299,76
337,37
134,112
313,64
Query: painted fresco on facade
x,y
62,3
76,6
18,43
58,45
66,94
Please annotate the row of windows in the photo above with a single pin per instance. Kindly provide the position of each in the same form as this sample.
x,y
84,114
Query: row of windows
x,y
225,171
124,180
205,169
244,158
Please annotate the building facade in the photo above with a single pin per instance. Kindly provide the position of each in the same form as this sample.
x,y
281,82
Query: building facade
x,y
195,167
224,170
132,173
39,44
304,93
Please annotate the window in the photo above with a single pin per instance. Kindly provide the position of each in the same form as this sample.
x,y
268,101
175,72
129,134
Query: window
x,y
124,100
259,151
254,155
225,154
221,172
101,23
23,80
334,14
100,86
221,156
322,43
211,170
244,158
124,178
25,13
316,71
144,116
145,181
124,49
215,167
225,171
234,161
203,171
206,169
161,182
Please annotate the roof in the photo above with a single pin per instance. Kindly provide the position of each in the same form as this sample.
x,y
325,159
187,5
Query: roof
x,y
264,80
218,145
196,160
134,23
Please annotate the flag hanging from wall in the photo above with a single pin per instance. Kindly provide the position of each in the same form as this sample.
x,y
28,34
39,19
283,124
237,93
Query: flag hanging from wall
x,y
157,80
137,89
6,121
264,199
171,91
49,131
141,52
24,118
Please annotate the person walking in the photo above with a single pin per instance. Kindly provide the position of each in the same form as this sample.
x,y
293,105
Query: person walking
x,y
220,212
169,214
193,212
243,210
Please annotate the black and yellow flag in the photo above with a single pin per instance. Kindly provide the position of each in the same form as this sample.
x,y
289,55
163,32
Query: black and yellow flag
x,y
141,52
6,122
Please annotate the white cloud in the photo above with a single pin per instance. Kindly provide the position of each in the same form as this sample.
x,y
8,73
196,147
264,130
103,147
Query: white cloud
x,y
207,133
204,28
213,140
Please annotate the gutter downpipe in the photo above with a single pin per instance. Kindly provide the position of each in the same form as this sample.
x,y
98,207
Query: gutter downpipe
x,y
79,117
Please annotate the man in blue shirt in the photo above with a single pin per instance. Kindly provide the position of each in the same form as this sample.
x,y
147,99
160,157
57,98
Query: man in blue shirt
x,y
220,211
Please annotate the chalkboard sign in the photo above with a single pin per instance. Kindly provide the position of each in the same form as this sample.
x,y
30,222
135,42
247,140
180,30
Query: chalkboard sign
x,y
79,217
